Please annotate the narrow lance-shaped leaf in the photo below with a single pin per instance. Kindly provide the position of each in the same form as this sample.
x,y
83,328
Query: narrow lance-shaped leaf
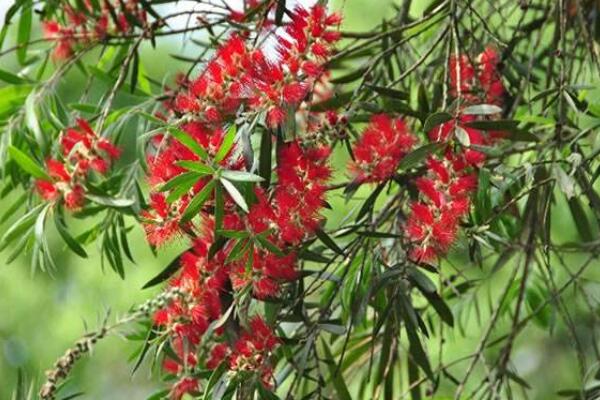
x,y
227,144
188,142
66,236
197,202
27,164
235,194
24,32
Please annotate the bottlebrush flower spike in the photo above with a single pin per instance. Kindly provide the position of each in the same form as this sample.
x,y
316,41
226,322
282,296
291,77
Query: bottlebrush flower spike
x,y
462,77
81,28
253,350
489,76
161,221
186,385
380,149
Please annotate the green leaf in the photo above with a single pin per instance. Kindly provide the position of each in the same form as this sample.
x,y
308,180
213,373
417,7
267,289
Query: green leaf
x,y
415,347
184,185
195,166
335,374
482,109
264,163
418,155
227,144
31,119
20,226
439,306
188,142
27,164
24,32
69,240
12,97
391,93
421,280
219,207
111,202
581,219
165,274
181,179
197,202
368,204
214,377
435,120
235,194
328,241
333,103
11,78
241,176
462,136
496,125
334,329
270,246
279,12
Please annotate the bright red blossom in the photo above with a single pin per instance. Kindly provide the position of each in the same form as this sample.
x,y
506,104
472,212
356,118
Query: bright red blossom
x,y
380,149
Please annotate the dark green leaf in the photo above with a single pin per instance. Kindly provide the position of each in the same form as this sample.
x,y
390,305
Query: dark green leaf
x,y
188,142
27,163
328,241
69,240
333,103
227,144
165,274
391,93
11,78
24,31
435,120
197,202
418,155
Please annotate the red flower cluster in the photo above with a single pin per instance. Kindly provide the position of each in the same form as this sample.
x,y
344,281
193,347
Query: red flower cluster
x,y
83,151
298,198
162,221
240,75
380,149
187,320
477,83
239,79
85,26
433,223
253,349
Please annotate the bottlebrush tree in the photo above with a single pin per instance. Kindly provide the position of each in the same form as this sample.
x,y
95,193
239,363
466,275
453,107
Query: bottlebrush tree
x,y
349,204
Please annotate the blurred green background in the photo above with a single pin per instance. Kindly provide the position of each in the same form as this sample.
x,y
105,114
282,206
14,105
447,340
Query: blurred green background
x,y
42,314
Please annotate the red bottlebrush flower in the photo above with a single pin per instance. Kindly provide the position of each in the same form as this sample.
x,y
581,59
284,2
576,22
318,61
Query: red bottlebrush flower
x,y
187,385
275,117
422,213
462,74
489,76
57,170
380,149
47,190
463,185
163,219
161,317
253,349
442,132
74,197
113,151
428,188
294,92
218,354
